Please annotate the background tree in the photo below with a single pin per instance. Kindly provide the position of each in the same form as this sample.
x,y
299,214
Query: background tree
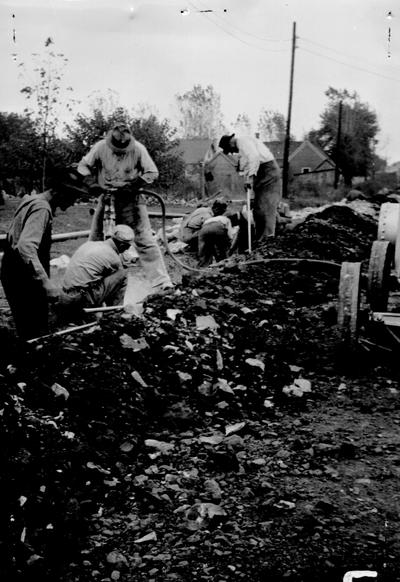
x,y
20,159
47,96
271,125
355,154
157,135
243,124
199,113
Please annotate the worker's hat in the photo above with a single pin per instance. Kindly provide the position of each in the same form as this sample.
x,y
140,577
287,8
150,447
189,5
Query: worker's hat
x,y
123,233
67,181
225,142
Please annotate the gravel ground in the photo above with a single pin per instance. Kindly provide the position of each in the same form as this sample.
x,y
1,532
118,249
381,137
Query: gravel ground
x,y
225,435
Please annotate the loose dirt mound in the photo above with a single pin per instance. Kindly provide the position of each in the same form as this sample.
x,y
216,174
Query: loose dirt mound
x,y
221,437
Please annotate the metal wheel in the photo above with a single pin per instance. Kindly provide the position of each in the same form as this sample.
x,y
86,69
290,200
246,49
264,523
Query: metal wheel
x,y
380,263
349,302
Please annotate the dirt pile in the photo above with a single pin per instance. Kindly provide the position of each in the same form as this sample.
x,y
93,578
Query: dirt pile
x,y
214,439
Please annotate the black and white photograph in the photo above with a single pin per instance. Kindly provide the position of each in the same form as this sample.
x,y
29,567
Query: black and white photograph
x,y
199,291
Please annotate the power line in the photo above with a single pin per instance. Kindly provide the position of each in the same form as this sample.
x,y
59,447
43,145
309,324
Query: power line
x,y
238,38
262,38
349,65
334,50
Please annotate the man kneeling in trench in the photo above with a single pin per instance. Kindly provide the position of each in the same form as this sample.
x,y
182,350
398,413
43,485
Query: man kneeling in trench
x,y
95,273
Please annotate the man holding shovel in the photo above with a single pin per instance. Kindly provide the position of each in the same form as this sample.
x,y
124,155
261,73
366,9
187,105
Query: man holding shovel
x,y
262,176
25,269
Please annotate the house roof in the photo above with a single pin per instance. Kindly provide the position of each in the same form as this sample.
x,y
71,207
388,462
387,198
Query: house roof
x,y
277,147
193,150
316,149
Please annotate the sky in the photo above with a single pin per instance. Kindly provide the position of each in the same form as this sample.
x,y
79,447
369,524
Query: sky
x,y
148,51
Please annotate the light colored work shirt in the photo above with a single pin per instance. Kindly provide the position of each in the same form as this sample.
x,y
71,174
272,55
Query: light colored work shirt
x,y
223,220
252,153
30,234
116,169
198,216
91,262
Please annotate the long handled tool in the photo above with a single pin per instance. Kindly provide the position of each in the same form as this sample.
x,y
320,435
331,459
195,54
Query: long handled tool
x,y
249,193
63,332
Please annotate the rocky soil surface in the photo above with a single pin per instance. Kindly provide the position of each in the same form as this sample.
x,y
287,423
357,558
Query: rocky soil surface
x,y
225,435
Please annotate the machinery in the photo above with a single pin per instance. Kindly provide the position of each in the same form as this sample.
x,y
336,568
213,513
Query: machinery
x,y
373,298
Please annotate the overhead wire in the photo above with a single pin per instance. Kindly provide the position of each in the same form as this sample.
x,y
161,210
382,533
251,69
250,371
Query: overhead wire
x,y
349,65
205,15
307,40
262,38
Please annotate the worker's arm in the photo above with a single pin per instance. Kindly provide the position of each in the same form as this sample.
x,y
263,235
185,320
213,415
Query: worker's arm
x,y
249,158
148,169
88,162
86,166
29,242
231,230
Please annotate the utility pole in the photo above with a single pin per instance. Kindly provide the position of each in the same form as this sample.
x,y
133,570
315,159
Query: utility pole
x,y
337,148
285,169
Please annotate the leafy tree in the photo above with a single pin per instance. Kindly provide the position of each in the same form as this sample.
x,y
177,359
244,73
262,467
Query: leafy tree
x,y
20,164
46,96
242,124
200,113
355,152
271,125
160,141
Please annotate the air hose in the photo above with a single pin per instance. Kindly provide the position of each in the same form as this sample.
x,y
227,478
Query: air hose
x,y
164,234
293,261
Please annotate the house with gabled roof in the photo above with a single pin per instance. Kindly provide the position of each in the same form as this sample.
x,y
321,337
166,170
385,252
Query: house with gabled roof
x,y
216,171
308,161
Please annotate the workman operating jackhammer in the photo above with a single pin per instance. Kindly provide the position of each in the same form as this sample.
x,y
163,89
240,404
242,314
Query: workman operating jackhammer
x,y
123,165
262,175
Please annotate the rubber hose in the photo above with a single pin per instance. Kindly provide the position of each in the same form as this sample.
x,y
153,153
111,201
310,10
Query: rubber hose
x,y
164,234
251,262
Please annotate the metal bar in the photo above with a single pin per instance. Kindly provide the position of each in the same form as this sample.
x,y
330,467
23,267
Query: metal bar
x,y
103,309
392,319
85,233
62,332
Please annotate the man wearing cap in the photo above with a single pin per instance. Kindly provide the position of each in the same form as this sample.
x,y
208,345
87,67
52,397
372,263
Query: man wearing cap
x,y
123,164
95,273
262,175
25,269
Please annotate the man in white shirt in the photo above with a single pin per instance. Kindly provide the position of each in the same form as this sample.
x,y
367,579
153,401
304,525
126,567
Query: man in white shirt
x,y
262,175
95,273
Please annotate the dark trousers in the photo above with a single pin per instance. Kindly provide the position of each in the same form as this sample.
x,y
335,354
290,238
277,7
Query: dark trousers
x,y
267,194
213,243
110,290
25,295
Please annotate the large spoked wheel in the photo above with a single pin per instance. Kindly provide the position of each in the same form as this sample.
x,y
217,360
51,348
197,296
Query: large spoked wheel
x,y
380,264
349,302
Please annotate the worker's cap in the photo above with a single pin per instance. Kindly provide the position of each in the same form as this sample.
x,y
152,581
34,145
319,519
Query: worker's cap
x,y
219,205
224,143
123,233
121,126
67,181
